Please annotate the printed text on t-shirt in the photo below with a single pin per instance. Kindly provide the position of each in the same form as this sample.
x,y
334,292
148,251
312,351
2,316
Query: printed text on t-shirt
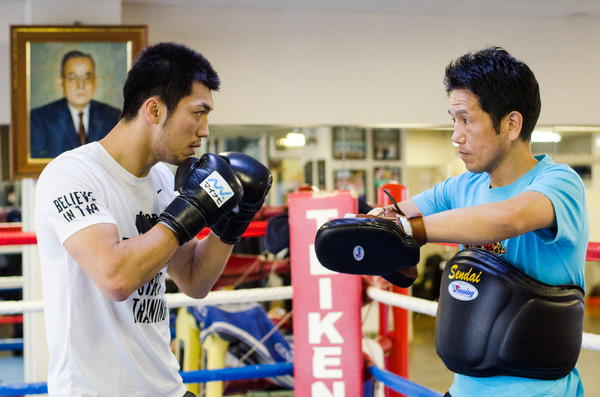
x,y
150,307
76,204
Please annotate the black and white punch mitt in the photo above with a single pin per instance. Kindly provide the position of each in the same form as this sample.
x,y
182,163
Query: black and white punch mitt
x,y
385,246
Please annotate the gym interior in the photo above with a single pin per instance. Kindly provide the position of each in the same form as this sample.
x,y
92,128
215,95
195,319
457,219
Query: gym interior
x,y
336,95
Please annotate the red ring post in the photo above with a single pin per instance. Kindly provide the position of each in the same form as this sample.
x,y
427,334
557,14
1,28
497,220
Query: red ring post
x,y
326,304
398,358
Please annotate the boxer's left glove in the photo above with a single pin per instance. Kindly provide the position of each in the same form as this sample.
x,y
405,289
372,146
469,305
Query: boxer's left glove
x,y
256,180
373,245
208,188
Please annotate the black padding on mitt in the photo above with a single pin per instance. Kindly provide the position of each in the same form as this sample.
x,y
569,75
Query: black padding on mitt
x,y
403,278
369,246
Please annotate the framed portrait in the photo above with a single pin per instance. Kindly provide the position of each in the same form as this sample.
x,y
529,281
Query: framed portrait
x,y
384,174
5,151
353,180
348,143
386,144
57,73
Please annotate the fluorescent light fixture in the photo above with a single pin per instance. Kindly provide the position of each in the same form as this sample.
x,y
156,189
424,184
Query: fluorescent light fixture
x,y
545,136
292,139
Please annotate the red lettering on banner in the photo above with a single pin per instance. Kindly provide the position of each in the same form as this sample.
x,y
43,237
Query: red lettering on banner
x,y
329,337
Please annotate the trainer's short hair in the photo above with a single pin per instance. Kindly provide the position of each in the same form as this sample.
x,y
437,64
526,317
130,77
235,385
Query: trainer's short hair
x,y
502,84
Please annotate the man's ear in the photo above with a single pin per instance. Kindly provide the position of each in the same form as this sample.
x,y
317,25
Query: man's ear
x,y
515,124
60,84
153,109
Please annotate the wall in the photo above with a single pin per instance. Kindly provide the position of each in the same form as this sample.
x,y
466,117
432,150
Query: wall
x,y
342,67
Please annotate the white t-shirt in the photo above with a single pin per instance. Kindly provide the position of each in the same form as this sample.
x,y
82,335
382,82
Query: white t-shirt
x,y
99,347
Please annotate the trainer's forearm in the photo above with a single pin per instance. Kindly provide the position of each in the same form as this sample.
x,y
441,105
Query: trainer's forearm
x,y
478,225
492,222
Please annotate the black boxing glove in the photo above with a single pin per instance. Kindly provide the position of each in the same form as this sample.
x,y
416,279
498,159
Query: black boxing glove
x,y
256,180
208,188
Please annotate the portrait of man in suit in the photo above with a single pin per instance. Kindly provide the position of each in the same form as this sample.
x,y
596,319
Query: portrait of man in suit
x,y
76,118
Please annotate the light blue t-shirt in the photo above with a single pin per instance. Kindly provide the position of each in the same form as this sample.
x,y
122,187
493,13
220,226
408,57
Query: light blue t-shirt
x,y
553,256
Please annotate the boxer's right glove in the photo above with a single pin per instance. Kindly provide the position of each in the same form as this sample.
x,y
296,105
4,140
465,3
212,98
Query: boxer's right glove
x,y
373,245
256,180
208,188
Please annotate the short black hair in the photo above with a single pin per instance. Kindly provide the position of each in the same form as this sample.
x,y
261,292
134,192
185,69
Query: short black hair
x,y
74,54
502,84
168,71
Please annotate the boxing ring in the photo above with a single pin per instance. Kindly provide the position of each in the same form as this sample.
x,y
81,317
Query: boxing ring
x,y
12,240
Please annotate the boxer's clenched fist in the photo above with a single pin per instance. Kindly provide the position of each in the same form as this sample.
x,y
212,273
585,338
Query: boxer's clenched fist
x,y
208,188
256,180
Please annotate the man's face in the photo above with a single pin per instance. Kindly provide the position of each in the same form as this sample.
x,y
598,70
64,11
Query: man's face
x,y
479,146
182,132
79,81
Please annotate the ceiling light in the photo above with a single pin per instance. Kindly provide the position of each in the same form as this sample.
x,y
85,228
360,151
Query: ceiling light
x,y
292,139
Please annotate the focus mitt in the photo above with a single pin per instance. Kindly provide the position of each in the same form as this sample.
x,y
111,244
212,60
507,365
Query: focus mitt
x,y
372,245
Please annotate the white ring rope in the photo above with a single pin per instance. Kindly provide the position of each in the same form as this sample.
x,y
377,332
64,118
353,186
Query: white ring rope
x,y
404,301
11,282
17,307
232,296
177,300
590,341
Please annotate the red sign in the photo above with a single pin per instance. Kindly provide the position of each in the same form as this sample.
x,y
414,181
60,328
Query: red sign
x,y
326,304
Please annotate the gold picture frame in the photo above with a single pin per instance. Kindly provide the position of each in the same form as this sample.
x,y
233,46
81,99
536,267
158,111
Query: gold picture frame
x,y
350,179
36,56
386,144
349,143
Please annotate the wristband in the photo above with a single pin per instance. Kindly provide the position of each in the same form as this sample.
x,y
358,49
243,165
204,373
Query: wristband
x,y
417,228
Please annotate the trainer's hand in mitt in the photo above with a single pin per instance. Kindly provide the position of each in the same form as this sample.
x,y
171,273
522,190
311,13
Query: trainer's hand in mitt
x,y
373,245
